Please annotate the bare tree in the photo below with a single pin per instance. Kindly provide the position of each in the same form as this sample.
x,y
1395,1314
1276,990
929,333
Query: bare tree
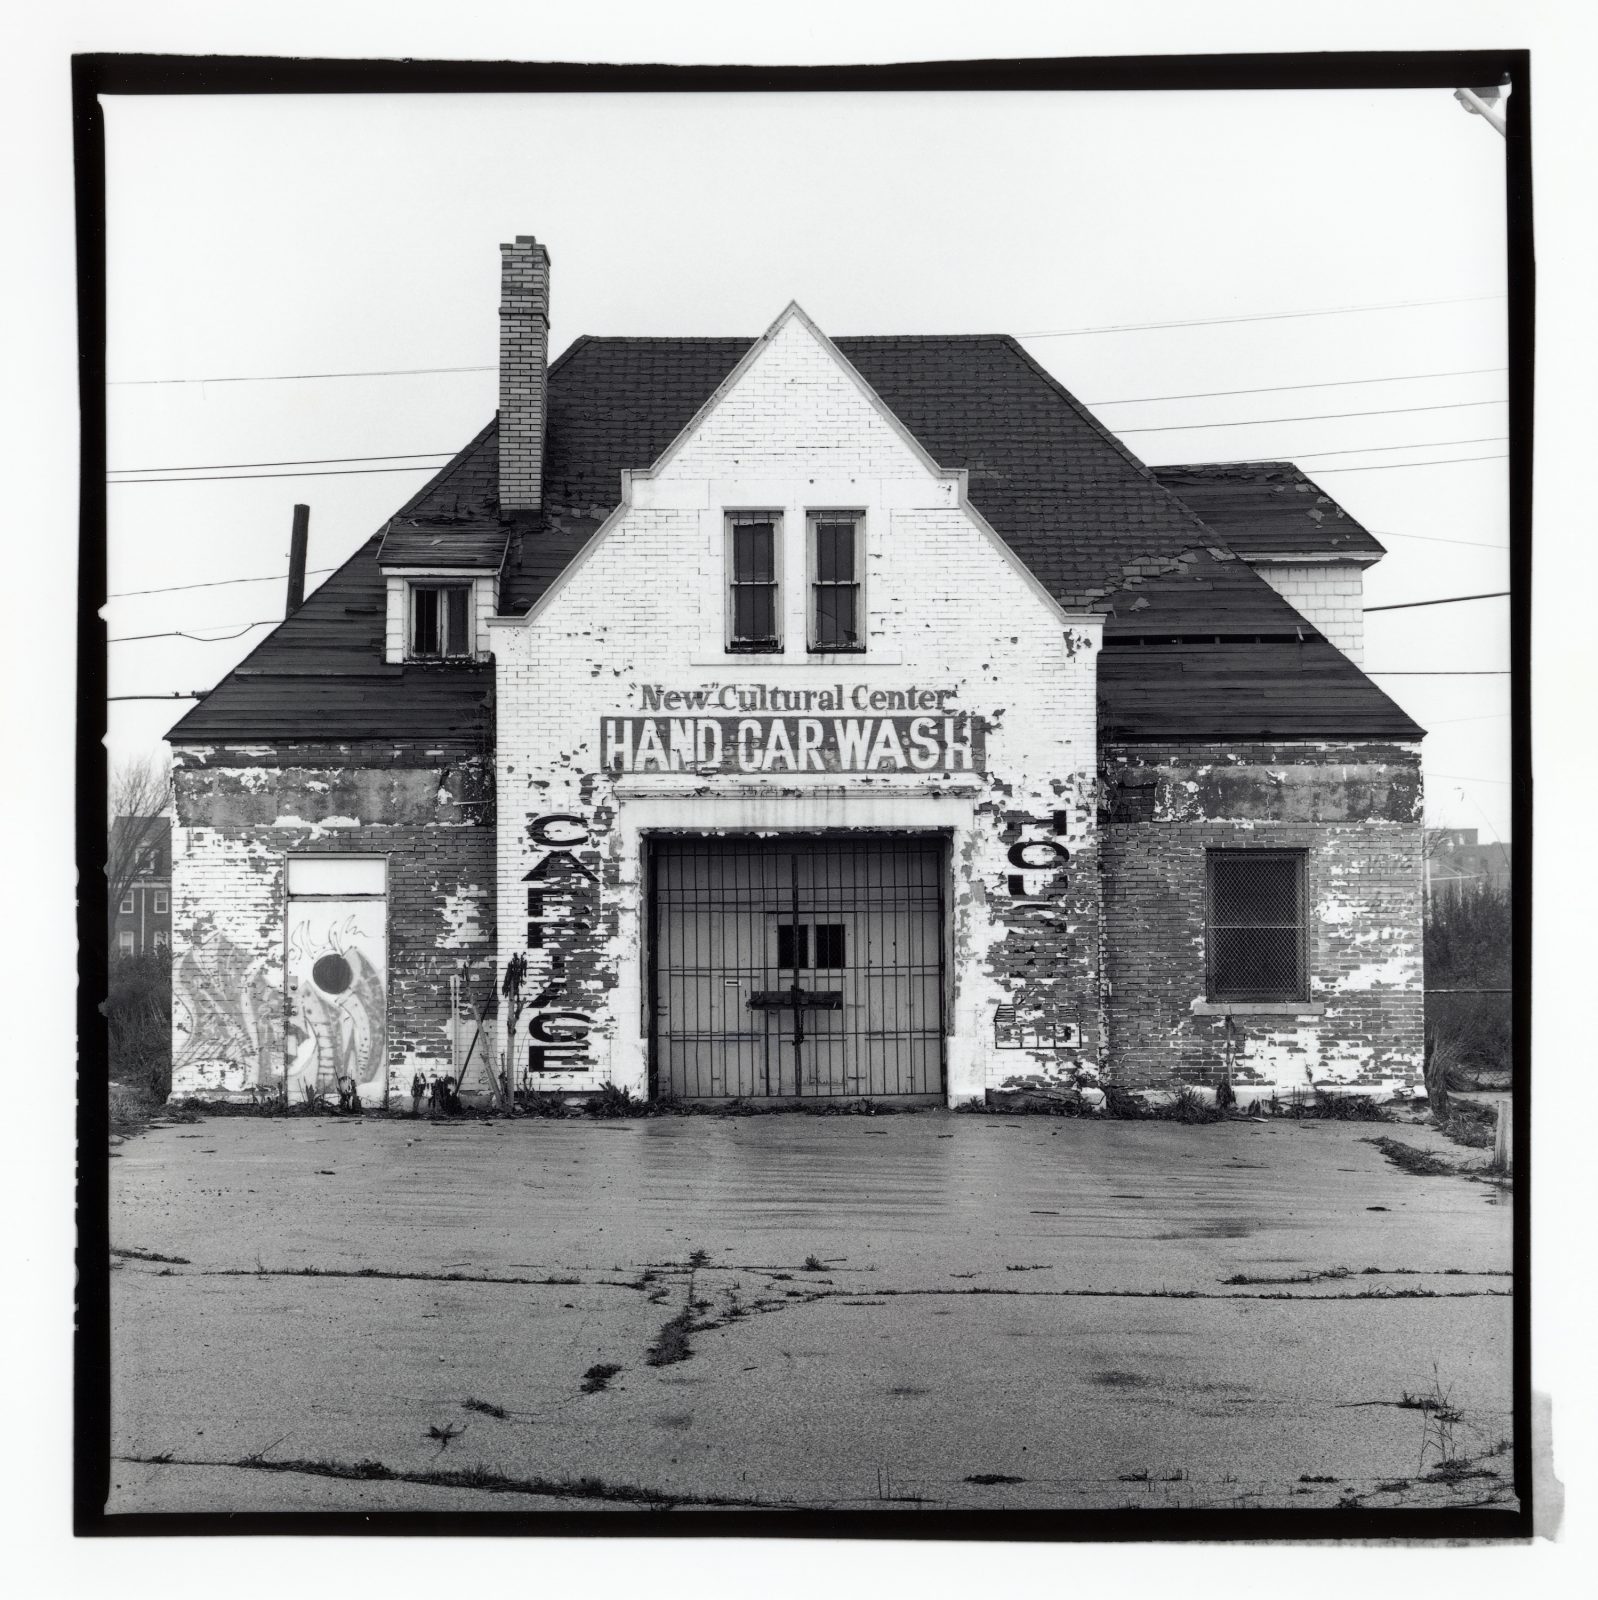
x,y
139,797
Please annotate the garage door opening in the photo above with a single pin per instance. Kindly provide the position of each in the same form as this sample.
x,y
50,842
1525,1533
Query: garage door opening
x,y
797,968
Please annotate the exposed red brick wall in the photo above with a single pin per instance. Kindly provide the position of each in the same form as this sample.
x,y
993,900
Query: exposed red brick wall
x,y
1356,812
240,811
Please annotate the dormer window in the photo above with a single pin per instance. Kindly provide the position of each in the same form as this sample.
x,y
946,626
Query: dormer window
x,y
440,621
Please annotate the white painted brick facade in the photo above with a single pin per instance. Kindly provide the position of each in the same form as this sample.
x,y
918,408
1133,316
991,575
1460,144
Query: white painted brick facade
x,y
1329,594
949,609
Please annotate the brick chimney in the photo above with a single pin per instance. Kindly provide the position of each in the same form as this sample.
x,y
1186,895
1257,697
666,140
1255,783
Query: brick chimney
x,y
523,372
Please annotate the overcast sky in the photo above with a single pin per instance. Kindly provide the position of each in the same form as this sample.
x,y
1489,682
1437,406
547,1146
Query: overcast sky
x,y
265,235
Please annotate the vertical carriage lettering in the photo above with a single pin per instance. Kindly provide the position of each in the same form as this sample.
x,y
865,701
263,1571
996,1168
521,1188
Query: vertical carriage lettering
x,y
562,899
1036,1018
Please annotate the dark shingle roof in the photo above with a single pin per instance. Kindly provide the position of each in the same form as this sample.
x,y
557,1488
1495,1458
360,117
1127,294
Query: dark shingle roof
x,y
1269,507
1091,522
1242,691
1201,592
442,547
1205,648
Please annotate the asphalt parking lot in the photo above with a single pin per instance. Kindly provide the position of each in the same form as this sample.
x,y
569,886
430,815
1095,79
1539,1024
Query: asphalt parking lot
x,y
928,1310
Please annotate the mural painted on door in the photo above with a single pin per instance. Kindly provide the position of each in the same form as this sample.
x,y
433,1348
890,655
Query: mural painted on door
x,y
337,961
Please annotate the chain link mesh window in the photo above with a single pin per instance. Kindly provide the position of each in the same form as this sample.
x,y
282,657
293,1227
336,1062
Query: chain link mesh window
x,y
1257,944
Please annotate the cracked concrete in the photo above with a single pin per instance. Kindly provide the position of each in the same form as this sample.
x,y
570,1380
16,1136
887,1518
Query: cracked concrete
x,y
957,1311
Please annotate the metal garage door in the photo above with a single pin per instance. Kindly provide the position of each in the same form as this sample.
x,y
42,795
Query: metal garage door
x,y
809,968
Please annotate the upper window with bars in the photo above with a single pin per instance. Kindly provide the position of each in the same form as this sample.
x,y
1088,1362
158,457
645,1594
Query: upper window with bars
x,y
837,580
754,587
1256,933
440,622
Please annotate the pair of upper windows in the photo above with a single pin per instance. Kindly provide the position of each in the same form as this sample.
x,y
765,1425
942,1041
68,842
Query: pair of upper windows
x,y
835,581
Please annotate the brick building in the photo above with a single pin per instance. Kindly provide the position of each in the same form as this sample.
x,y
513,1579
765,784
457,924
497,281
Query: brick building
x,y
141,921
813,719
1457,859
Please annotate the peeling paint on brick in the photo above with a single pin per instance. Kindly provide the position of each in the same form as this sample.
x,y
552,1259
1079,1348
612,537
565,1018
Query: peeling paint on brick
x,y
239,816
797,433
1356,812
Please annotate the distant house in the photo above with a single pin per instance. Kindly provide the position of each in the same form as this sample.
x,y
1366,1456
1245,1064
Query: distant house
x,y
1455,859
143,920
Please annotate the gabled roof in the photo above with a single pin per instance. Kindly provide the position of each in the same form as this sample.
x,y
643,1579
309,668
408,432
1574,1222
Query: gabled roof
x,y
1088,519
1269,508
152,835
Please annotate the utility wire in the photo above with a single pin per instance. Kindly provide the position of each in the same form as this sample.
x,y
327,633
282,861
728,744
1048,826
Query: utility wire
x,y
355,472
1434,538
1439,672
1394,466
242,477
217,583
199,694
291,377
1054,333
1277,388
198,638
1321,416
428,455
1257,316
313,461
1451,600
1202,394
1373,449
352,472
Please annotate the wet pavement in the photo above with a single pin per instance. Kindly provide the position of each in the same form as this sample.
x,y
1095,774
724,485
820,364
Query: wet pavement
x,y
918,1310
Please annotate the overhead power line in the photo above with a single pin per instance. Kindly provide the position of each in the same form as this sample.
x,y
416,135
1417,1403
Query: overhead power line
x,y
1257,316
216,583
1451,600
1321,416
1437,538
198,638
1439,672
1278,388
1052,333
1395,466
1375,449
198,694
244,477
240,467
312,461
293,377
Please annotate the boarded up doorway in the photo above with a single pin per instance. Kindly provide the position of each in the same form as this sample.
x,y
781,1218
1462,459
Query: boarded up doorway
x,y
797,968
336,976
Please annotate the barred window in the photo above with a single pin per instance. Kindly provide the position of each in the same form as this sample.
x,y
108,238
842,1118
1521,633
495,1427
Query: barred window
x,y
793,946
753,586
1257,945
835,581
